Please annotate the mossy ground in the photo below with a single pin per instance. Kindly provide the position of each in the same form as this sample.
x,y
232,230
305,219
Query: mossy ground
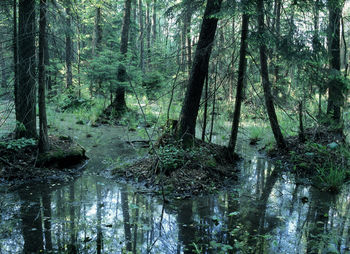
x,y
23,163
323,157
176,172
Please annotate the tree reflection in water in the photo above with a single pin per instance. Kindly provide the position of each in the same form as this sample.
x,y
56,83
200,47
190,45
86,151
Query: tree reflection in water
x,y
266,213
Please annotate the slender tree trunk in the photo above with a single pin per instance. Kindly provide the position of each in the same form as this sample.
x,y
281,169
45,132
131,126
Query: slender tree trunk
x,y
265,79
69,49
97,33
335,97
47,63
213,113
43,137
15,58
3,67
301,123
26,114
205,114
142,32
119,103
240,83
154,35
278,31
187,22
190,107
148,35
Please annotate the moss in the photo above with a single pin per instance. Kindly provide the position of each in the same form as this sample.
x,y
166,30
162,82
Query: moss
x,y
62,157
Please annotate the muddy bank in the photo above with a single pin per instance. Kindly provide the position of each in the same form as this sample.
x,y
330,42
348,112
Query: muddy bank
x,y
20,161
176,172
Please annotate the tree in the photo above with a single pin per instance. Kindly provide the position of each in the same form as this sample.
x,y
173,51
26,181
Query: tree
x,y
335,98
26,108
119,103
43,137
190,106
270,108
69,48
240,83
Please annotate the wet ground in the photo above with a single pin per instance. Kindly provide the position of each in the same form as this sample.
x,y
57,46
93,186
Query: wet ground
x,y
265,212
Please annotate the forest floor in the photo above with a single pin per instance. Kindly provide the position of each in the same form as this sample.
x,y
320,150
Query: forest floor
x,y
175,172
322,156
21,163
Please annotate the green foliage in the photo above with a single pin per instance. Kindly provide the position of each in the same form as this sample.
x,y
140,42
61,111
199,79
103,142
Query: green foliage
x,y
329,165
172,157
18,144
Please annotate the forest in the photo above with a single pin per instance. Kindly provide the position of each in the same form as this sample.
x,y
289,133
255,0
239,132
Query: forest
x,y
187,126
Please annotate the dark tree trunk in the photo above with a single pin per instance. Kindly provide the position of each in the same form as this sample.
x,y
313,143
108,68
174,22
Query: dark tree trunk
x,y
3,67
97,33
270,108
43,137
119,103
142,44
205,114
69,49
154,35
240,83
190,107
335,98
278,31
187,22
15,58
26,114
148,35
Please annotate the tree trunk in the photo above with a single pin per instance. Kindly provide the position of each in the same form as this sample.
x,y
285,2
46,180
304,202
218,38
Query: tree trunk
x,y
119,103
97,33
26,115
43,137
142,44
3,68
335,98
148,35
15,58
190,107
240,83
270,108
154,35
205,114
69,50
187,22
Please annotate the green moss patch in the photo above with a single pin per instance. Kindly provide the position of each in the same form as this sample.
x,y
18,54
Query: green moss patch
x,y
176,172
20,161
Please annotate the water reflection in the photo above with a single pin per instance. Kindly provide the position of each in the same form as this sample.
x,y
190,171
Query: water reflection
x,y
265,212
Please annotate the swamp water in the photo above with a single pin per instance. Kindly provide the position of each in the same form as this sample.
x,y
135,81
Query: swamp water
x,y
264,212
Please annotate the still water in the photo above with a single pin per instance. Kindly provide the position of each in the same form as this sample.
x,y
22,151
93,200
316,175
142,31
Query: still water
x,y
266,211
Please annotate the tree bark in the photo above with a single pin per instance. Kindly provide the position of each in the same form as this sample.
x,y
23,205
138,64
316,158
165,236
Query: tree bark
x,y
190,107
15,58
148,34
69,49
4,76
270,108
26,115
335,97
43,137
240,83
119,103
187,22
154,35
142,44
